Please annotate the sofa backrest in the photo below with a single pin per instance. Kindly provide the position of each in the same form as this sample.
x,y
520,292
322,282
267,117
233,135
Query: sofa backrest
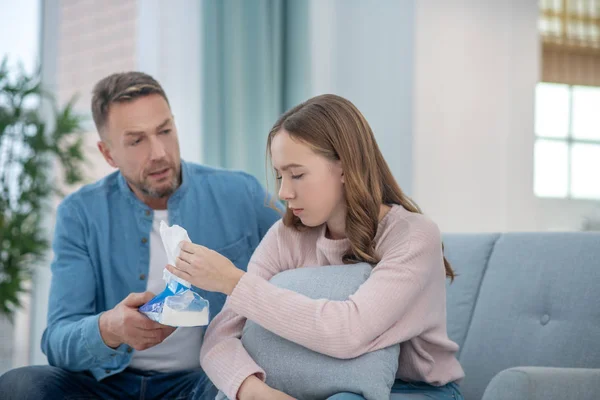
x,y
523,299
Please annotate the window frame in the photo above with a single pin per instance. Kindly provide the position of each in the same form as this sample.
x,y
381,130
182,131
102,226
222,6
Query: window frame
x,y
569,140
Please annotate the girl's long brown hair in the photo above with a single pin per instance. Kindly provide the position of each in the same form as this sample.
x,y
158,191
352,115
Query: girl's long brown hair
x,y
334,128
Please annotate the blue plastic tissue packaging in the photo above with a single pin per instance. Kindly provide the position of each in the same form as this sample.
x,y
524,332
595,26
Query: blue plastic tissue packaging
x,y
178,304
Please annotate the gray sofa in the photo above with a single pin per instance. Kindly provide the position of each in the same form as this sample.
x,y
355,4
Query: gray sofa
x,y
525,310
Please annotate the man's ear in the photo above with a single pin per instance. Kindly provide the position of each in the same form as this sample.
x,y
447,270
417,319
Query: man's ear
x,y
103,147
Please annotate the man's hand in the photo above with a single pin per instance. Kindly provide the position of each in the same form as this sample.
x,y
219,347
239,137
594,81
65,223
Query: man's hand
x,y
255,389
125,324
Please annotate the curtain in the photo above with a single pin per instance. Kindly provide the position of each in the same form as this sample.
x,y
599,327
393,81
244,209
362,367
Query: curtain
x,y
570,33
255,56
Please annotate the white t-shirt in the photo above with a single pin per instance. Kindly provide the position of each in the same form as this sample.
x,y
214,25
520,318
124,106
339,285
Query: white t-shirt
x,y
181,350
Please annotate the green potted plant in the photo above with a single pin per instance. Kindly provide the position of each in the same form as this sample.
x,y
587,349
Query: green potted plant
x,y
35,137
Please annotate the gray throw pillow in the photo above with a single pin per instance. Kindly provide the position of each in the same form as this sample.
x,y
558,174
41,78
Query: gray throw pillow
x,y
306,374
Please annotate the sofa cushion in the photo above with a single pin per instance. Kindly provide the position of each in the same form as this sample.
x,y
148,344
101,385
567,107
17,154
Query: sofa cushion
x,y
537,306
305,374
468,254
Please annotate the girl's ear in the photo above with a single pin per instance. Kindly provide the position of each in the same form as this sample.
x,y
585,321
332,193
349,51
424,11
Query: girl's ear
x,y
337,166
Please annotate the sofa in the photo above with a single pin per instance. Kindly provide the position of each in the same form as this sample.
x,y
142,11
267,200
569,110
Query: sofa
x,y
525,311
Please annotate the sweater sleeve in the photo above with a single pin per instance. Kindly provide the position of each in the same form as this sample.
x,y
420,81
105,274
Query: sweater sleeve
x,y
223,356
411,256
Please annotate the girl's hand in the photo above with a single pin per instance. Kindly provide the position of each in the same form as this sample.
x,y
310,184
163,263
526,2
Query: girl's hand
x,y
255,389
206,269
277,395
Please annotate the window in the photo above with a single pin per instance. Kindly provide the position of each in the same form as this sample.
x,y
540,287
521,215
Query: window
x,y
567,143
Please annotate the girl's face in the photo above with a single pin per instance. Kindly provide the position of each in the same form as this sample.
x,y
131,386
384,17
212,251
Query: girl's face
x,y
311,184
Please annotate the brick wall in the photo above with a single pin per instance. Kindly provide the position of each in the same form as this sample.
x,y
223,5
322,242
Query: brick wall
x,y
96,38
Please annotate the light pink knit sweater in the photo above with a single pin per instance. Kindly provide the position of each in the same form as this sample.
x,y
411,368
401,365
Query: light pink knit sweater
x,y
403,301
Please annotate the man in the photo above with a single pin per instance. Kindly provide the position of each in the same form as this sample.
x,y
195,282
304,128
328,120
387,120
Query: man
x,y
109,258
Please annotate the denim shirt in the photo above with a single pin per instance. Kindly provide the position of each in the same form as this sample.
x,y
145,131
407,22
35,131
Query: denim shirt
x,y
102,253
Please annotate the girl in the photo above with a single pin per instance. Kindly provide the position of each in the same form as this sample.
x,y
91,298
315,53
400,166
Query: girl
x,y
342,206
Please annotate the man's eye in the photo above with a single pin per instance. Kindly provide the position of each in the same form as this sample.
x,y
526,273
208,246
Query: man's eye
x,y
297,176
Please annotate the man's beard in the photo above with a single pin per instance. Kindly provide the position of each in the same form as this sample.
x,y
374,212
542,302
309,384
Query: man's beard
x,y
146,188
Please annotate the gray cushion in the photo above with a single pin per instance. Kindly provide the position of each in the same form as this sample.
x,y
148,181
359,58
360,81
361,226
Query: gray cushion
x,y
305,374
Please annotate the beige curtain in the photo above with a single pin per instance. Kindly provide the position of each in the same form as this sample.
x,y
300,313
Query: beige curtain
x,y
570,32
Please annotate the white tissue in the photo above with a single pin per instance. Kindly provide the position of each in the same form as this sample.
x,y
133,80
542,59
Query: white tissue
x,y
172,238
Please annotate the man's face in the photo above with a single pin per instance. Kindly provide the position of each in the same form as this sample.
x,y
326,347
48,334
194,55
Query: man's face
x,y
140,139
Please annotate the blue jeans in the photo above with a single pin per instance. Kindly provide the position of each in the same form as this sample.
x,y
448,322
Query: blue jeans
x,y
47,382
413,391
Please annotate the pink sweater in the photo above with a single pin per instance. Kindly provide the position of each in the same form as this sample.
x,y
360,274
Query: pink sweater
x,y
403,301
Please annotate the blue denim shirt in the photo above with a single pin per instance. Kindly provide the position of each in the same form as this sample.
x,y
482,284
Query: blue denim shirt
x,y
101,253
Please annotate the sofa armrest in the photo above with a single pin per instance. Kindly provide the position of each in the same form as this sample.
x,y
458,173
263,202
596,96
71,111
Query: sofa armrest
x,y
543,383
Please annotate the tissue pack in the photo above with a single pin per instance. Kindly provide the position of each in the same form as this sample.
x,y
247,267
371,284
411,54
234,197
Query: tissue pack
x,y
178,304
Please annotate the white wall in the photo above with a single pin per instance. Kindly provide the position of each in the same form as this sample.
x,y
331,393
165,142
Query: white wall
x,y
363,51
476,66
169,40
564,215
